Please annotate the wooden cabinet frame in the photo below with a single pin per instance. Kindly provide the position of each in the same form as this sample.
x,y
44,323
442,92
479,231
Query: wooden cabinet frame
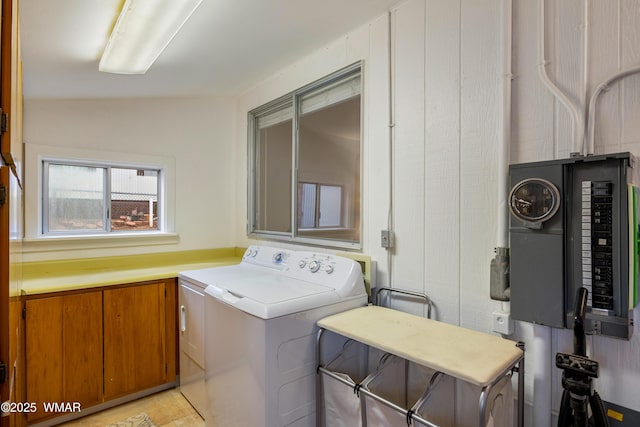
x,y
100,345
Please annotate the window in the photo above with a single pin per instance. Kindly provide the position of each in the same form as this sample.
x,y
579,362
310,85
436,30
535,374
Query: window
x,y
97,198
305,163
319,205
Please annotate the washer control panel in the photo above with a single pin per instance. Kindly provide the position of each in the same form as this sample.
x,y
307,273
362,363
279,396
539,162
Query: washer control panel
x,y
265,256
344,275
324,269
318,264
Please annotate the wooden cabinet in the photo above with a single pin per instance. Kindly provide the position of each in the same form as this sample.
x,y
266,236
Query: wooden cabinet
x,y
137,347
95,346
64,350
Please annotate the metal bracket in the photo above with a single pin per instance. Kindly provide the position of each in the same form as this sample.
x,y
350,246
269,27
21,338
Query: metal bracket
x,y
3,372
3,195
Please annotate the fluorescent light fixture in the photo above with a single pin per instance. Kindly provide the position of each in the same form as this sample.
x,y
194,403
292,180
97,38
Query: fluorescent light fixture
x,y
143,30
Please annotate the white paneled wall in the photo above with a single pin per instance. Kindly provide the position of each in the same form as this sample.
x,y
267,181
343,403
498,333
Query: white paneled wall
x,y
446,66
408,36
442,157
480,62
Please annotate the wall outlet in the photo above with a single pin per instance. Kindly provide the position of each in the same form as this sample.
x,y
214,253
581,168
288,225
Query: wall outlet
x,y
502,322
386,239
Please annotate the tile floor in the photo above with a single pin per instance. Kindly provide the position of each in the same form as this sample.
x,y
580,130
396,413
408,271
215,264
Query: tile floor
x,y
166,409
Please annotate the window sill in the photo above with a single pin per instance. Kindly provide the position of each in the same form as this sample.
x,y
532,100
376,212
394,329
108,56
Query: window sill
x,y
311,241
96,241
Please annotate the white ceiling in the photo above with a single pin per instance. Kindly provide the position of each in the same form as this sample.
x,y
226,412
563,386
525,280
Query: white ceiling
x,y
224,48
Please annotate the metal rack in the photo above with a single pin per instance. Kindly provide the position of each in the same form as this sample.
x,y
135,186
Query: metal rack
x,y
448,353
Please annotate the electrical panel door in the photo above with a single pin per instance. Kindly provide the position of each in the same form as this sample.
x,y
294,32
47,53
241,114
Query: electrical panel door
x,y
574,224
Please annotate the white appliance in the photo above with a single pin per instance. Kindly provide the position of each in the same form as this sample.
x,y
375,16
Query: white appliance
x,y
191,300
260,333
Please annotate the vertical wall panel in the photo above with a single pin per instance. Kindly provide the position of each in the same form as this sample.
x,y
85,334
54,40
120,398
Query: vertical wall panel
x,y
604,41
565,56
532,131
631,110
630,42
479,112
442,145
376,147
409,192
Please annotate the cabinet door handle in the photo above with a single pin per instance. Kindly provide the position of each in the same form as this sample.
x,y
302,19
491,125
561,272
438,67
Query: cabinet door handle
x,y
183,318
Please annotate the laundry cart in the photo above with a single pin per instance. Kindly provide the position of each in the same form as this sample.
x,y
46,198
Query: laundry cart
x,y
433,373
339,378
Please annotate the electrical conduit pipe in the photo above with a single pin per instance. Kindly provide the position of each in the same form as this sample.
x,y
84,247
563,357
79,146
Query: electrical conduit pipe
x,y
604,86
578,119
499,281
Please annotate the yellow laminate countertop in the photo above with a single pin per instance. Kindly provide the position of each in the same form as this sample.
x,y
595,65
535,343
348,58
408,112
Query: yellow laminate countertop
x,y
75,274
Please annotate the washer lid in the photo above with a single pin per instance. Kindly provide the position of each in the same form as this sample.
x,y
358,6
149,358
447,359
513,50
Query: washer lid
x,y
271,289
270,296
268,293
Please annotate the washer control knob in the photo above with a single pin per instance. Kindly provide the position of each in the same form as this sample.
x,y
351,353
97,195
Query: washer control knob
x,y
254,253
278,258
302,263
314,266
328,269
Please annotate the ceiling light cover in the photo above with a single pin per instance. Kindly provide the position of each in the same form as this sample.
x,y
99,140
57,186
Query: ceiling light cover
x,y
143,30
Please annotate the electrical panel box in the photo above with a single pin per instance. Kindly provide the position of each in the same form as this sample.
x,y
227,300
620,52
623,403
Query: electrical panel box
x,y
574,223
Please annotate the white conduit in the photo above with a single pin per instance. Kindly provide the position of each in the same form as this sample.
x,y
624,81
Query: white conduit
x,y
541,356
604,86
578,119
391,125
504,141
585,73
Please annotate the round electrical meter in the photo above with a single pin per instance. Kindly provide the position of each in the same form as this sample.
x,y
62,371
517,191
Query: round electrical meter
x,y
534,200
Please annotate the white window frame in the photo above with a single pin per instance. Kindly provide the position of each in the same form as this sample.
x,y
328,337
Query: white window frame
x,y
293,98
35,238
107,197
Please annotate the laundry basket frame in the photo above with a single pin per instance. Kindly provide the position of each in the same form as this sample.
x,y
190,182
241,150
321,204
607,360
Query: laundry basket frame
x,y
516,366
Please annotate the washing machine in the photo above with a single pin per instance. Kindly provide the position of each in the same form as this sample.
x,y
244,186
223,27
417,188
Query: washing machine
x,y
192,333
191,343
260,333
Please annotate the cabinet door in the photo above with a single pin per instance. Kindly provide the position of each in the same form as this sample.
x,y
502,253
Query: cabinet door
x,y
135,339
64,350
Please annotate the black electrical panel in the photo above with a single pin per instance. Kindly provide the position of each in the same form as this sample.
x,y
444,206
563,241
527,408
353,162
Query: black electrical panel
x,y
574,224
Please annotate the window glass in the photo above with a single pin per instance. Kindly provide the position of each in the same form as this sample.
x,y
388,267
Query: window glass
x,y
134,199
319,206
330,212
75,198
273,170
329,152
308,141
307,205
